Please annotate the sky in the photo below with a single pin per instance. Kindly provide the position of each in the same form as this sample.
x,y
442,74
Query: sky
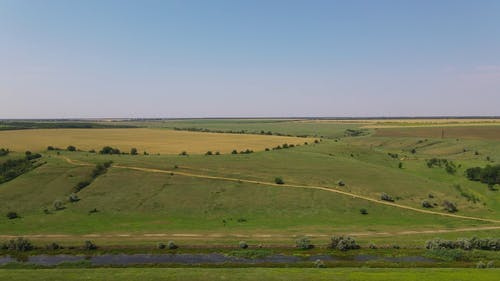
x,y
310,58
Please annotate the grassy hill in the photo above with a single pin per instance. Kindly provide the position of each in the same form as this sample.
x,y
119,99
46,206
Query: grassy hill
x,y
190,199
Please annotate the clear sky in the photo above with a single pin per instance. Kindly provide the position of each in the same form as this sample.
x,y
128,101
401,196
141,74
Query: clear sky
x,y
209,58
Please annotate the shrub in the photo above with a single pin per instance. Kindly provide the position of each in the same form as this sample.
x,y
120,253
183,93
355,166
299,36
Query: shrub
x,y
413,151
243,245
372,246
73,197
89,245
363,211
385,197
465,244
343,243
19,245
319,264
183,153
58,205
400,165
490,264
278,180
171,245
340,183
50,148
161,246
267,149
234,151
450,206
480,264
133,151
426,204
53,246
304,243
217,153
209,153
12,215
4,151
71,148
81,185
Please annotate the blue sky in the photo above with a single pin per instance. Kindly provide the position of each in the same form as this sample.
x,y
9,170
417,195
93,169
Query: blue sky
x,y
71,59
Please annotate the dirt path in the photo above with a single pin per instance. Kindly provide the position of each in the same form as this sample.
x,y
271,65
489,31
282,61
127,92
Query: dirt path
x,y
323,188
205,236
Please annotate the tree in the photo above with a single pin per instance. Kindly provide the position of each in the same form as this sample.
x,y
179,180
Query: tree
x,y
278,180
133,151
363,211
71,148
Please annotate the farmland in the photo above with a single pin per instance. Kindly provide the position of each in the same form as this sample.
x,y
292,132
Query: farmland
x,y
332,180
149,140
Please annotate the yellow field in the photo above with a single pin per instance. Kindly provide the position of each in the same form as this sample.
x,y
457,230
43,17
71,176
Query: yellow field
x,y
151,140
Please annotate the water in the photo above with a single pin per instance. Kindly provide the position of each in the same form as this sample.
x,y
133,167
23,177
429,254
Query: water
x,y
188,259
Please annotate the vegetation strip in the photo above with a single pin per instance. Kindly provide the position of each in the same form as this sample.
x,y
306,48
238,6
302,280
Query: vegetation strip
x,y
329,189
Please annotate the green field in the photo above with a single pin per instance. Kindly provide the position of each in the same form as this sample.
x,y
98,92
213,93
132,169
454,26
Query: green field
x,y
194,274
138,202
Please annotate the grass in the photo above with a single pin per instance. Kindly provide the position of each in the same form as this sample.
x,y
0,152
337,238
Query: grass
x,y
151,140
205,211
490,132
251,274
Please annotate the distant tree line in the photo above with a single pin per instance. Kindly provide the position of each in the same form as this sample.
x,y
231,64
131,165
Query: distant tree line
x,y
261,132
22,125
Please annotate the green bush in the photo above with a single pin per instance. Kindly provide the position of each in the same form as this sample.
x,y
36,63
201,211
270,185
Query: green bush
x,y
385,197
304,243
171,245
73,197
426,204
58,205
133,151
243,245
278,180
161,246
450,206
53,246
343,243
89,245
19,245
109,150
71,148
319,264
